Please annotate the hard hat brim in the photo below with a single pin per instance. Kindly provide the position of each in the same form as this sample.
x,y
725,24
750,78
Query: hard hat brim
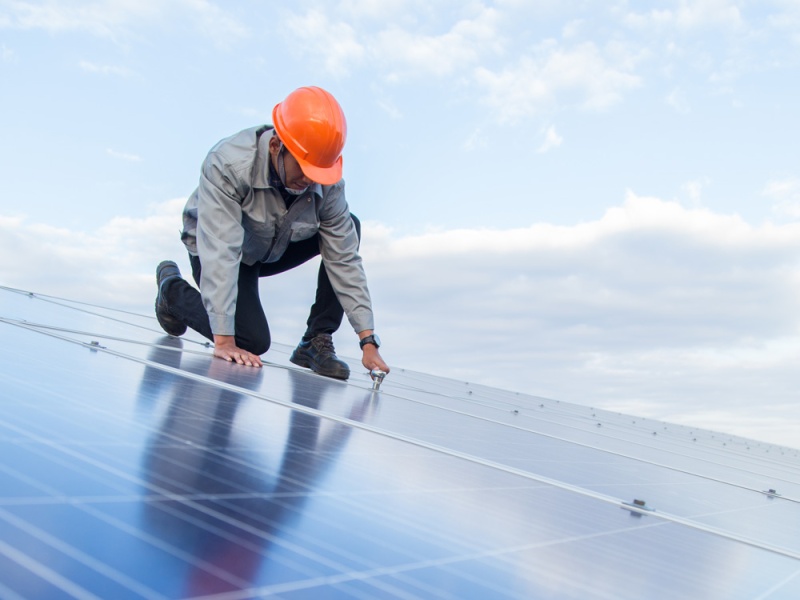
x,y
322,175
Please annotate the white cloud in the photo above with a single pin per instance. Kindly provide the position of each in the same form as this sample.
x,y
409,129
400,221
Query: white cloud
x,y
7,55
583,75
677,100
104,69
785,193
787,19
76,264
653,304
334,43
691,14
123,155
551,140
214,22
475,141
373,9
573,28
677,312
114,18
99,18
397,51
410,53
390,109
694,189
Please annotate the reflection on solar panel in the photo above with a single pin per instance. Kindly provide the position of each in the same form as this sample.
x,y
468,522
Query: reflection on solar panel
x,y
135,465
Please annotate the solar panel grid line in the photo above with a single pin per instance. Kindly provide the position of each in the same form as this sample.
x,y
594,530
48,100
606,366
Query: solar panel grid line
x,y
95,306
205,525
365,512
627,455
467,399
268,523
599,448
387,393
6,593
778,586
68,302
72,552
441,537
343,420
89,312
50,330
51,576
457,454
99,336
524,411
166,496
74,502
179,497
335,549
564,408
441,562
504,555
348,504
122,474
236,537
66,460
155,542
651,443
127,499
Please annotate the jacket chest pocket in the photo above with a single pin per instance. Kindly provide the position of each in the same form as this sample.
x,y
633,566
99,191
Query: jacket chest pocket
x,y
258,228
258,240
303,231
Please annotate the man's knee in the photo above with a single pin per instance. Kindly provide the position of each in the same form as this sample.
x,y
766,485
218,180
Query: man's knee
x,y
258,344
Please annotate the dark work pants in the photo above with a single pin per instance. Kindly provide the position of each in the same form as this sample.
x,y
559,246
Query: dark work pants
x,y
252,330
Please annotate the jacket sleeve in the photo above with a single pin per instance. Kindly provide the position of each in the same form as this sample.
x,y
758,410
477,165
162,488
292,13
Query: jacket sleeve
x,y
339,251
219,240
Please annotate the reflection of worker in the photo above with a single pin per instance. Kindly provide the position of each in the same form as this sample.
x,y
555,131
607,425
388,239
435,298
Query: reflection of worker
x,y
207,494
269,199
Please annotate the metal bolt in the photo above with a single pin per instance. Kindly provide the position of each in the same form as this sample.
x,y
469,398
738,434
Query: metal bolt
x,y
377,378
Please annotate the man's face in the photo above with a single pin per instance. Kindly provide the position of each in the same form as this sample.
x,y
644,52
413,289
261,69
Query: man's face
x,y
295,178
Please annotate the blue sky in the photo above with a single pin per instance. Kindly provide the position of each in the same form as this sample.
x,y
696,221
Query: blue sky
x,y
592,201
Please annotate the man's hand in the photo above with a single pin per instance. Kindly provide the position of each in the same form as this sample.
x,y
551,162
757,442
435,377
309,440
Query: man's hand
x,y
226,349
372,359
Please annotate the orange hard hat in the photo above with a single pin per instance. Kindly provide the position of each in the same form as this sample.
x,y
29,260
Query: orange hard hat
x,y
311,125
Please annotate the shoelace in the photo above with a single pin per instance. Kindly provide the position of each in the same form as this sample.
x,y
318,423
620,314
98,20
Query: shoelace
x,y
323,343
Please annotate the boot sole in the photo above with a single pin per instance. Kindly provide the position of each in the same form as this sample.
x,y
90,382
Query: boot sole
x,y
169,324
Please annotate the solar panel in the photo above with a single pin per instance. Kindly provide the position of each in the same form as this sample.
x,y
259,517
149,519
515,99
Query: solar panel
x,y
135,465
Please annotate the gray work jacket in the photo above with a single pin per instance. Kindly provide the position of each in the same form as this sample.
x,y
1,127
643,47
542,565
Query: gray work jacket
x,y
235,215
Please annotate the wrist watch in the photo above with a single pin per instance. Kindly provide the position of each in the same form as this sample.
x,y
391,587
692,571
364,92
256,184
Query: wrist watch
x,y
370,339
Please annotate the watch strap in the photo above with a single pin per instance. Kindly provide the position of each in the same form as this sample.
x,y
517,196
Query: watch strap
x,y
370,339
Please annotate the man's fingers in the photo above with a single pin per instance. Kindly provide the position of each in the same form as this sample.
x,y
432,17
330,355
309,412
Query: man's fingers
x,y
241,357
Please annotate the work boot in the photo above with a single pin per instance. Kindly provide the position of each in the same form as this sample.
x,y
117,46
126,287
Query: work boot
x,y
318,355
167,271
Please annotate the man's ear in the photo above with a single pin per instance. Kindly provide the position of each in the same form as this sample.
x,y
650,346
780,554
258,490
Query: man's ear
x,y
274,145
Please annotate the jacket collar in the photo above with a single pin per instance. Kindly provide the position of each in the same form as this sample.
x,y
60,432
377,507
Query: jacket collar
x,y
262,163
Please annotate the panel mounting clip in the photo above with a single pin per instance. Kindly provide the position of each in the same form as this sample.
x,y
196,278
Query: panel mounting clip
x,y
639,505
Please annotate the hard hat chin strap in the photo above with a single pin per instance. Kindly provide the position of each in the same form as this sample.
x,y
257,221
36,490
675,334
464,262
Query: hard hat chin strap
x,y
282,173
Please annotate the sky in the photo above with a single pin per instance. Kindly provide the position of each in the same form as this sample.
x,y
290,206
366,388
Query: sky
x,y
595,202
